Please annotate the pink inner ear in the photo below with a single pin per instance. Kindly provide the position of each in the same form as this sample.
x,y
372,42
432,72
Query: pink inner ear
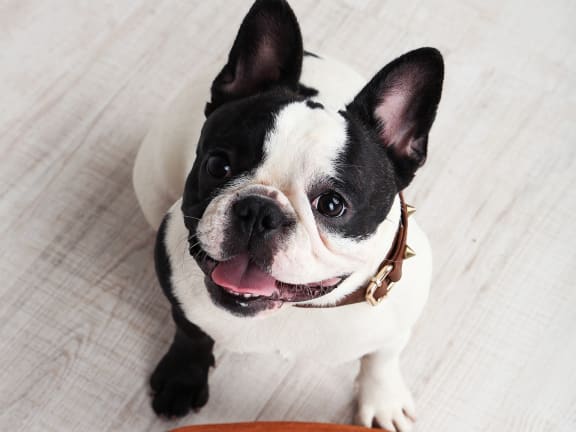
x,y
391,111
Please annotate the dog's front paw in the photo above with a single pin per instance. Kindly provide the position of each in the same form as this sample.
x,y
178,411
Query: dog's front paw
x,y
178,388
386,404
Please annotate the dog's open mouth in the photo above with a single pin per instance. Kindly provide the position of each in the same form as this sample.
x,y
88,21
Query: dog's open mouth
x,y
241,278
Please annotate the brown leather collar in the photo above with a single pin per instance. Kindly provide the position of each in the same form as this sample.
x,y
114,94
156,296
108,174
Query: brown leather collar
x,y
389,272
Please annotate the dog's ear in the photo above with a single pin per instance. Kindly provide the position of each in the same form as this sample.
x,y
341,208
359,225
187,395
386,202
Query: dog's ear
x,y
399,104
267,52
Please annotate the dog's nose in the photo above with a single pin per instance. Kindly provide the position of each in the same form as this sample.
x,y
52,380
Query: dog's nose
x,y
259,215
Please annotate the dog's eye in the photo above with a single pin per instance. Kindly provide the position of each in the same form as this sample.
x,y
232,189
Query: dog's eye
x,y
330,204
218,166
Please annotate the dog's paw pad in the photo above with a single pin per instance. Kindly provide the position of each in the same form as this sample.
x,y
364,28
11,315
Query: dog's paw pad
x,y
388,407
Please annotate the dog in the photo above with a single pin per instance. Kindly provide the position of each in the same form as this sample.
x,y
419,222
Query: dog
x,y
280,221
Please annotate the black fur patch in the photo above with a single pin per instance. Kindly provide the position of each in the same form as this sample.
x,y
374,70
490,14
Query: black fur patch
x,y
162,262
311,54
307,92
180,380
314,105
366,180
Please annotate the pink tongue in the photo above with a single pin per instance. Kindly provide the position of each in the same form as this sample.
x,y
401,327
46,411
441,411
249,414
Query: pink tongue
x,y
241,276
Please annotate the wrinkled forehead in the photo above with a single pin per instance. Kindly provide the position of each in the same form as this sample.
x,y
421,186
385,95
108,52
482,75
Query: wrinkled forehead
x,y
302,146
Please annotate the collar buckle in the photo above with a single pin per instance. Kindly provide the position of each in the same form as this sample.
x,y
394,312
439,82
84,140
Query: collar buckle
x,y
376,282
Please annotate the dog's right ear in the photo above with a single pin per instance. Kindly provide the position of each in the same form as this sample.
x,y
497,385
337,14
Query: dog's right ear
x,y
267,52
399,104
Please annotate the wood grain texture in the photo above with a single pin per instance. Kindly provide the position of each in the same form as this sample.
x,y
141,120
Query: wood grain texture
x,y
82,321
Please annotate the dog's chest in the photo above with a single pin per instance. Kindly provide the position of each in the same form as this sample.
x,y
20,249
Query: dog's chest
x,y
330,335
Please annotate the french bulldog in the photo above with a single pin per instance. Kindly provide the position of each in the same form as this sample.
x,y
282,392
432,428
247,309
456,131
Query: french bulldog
x,y
276,196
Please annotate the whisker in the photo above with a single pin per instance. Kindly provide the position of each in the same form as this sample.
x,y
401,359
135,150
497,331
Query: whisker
x,y
182,240
195,244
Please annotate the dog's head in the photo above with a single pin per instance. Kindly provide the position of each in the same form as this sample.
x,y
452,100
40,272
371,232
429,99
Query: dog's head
x,y
287,198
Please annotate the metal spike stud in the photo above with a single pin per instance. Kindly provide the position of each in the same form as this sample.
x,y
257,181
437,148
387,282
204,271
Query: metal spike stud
x,y
409,252
410,210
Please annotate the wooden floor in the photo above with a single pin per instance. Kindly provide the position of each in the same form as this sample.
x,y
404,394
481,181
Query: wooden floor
x,y
82,321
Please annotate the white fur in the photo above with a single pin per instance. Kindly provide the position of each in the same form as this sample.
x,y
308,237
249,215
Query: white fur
x,y
303,143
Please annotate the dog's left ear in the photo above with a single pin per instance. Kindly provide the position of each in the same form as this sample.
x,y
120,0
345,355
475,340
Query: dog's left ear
x,y
267,52
399,104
